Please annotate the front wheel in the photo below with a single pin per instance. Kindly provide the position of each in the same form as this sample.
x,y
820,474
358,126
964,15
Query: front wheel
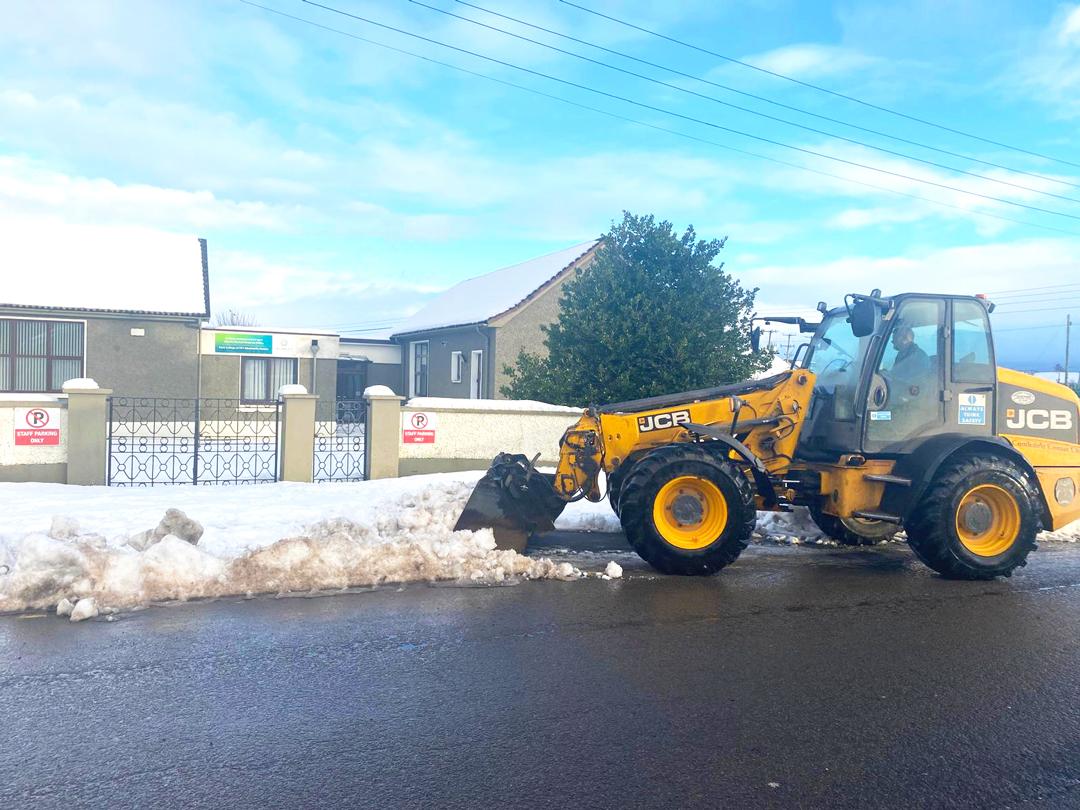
x,y
686,511
978,519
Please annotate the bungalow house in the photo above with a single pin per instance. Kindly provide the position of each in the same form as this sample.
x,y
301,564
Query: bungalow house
x,y
458,344
123,306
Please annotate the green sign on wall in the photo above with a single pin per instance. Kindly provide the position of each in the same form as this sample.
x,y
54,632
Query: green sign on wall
x,y
242,343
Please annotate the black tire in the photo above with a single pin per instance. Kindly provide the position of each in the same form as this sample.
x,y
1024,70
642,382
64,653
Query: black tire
x,y
932,527
834,527
645,481
615,482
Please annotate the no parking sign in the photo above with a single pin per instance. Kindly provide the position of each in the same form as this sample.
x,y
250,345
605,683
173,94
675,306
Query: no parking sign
x,y
418,427
32,427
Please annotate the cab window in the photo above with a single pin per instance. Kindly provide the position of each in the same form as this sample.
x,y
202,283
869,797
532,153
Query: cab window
x,y
971,344
905,391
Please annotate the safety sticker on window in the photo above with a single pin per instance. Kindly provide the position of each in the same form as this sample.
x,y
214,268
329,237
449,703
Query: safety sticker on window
x,y
880,416
972,409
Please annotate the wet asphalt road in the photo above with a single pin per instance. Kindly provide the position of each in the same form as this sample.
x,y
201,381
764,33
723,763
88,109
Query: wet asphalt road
x,y
797,677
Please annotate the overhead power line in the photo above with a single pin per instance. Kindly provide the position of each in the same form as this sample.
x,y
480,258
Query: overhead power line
x,y
755,96
690,118
818,87
1032,289
747,110
656,127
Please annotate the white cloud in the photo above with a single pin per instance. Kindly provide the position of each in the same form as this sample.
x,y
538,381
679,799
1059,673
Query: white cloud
x,y
27,189
966,269
1047,67
811,60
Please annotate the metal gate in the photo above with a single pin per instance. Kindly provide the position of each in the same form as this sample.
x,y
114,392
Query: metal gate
x,y
340,440
155,440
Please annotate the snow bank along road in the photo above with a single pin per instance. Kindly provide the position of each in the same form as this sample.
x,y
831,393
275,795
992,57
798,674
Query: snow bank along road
x,y
86,551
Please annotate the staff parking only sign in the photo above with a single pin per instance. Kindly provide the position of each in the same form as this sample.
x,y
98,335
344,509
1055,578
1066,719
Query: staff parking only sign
x,y
36,427
418,427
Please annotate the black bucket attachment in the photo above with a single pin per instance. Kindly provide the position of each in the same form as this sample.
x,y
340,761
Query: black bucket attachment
x,y
513,500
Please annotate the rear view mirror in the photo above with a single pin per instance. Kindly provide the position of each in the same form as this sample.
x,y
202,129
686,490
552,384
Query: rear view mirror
x,y
863,317
755,338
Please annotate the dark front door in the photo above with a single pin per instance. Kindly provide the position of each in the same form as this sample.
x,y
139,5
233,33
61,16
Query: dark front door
x,y
351,379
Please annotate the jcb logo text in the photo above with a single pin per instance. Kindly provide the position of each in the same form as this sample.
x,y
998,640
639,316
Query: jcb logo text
x,y
1038,419
663,421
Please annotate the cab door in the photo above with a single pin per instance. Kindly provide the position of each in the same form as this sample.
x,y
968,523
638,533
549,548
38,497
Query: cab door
x,y
972,381
907,390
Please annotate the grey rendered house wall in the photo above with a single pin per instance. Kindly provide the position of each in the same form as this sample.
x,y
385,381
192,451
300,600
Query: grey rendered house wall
x,y
163,362
388,374
441,343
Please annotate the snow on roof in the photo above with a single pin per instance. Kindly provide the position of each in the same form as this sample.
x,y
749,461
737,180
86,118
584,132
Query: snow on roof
x,y
111,269
477,299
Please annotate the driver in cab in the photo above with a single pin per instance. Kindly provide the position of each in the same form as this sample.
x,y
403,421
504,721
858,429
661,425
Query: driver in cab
x,y
911,364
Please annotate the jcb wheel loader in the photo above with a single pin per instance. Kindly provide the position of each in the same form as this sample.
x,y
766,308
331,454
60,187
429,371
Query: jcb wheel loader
x,y
894,416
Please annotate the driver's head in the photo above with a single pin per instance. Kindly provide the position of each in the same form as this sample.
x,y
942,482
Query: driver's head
x,y
902,337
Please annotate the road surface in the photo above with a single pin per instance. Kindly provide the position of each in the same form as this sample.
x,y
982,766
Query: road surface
x,y
797,677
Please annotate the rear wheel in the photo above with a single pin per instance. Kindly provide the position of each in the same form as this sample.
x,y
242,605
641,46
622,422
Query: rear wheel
x,y
977,520
686,510
852,531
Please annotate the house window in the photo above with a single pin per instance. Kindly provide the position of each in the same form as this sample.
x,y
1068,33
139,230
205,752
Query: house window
x,y
418,382
261,377
39,356
457,365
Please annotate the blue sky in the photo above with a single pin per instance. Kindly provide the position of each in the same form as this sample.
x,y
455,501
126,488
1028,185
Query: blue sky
x,y
341,185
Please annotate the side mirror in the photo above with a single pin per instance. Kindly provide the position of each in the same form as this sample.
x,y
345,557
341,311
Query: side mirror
x,y
755,338
863,318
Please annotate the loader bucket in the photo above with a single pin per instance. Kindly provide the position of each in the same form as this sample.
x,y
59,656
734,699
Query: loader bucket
x,y
513,500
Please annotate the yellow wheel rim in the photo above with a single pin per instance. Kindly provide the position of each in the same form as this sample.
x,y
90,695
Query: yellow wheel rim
x,y
690,512
987,520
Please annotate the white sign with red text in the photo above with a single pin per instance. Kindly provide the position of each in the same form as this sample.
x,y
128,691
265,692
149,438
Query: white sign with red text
x,y
418,427
37,427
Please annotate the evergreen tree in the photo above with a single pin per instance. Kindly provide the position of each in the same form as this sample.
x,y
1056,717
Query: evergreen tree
x,y
651,315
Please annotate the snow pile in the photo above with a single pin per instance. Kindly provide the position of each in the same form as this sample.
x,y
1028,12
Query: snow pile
x,y
795,527
362,535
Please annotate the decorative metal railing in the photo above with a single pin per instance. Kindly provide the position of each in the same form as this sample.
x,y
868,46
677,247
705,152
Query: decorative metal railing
x,y
154,440
340,433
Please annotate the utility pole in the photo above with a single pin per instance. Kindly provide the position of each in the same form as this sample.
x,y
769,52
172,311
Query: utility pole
x,y
1068,328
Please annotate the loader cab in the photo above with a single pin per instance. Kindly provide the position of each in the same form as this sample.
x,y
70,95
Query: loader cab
x,y
890,372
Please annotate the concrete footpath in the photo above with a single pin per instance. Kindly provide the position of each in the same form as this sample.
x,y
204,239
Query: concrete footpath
x,y
796,678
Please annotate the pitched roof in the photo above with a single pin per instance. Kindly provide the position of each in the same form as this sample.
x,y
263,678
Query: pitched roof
x,y
479,299
103,269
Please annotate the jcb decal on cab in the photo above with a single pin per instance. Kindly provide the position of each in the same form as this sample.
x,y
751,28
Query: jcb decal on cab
x,y
663,421
1038,419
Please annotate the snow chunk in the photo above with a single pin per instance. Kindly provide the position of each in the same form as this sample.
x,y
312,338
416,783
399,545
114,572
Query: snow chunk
x,y
84,609
175,523
291,388
613,570
63,528
64,607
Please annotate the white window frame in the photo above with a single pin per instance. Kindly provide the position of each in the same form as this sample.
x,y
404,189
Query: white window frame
x,y
412,361
272,396
457,363
476,374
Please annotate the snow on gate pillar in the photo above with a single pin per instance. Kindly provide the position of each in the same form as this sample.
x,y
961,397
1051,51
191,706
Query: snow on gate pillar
x,y
297,434
381,442
88,417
